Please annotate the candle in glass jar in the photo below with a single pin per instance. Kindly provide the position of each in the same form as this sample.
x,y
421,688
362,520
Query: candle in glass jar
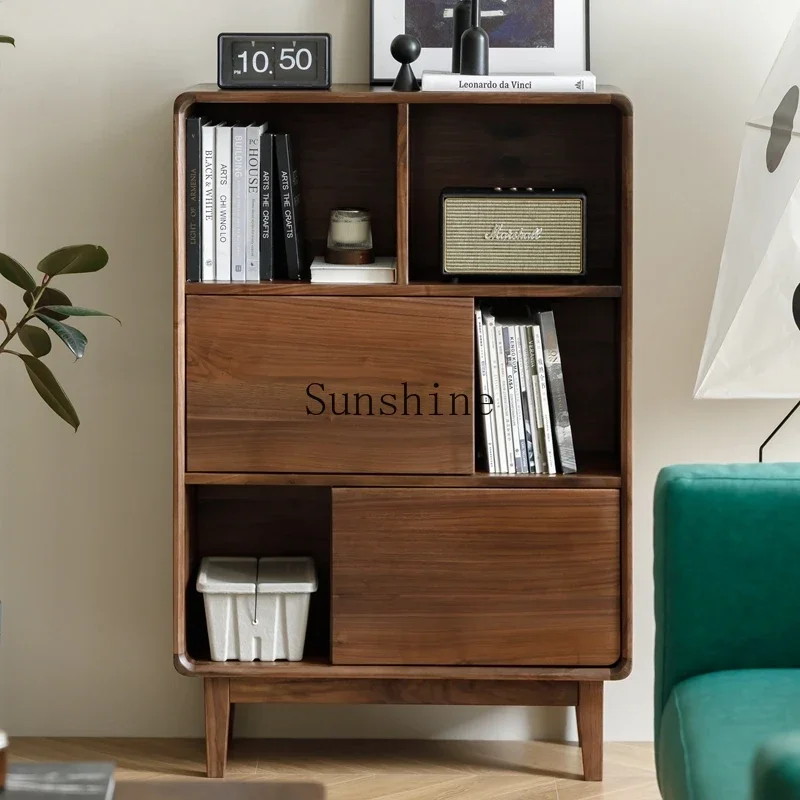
x,y
350,227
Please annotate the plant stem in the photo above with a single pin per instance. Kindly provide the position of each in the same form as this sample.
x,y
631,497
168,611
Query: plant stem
x,y
29,315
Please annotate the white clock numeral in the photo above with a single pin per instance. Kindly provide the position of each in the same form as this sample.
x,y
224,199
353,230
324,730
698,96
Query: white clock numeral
x,y
263,64
309,59
260,62
301,60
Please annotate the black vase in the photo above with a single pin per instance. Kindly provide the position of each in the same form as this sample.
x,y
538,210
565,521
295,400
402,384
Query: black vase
x,y
475,45
462,15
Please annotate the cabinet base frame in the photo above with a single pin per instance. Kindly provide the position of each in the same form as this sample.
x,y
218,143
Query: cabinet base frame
x,y
221,695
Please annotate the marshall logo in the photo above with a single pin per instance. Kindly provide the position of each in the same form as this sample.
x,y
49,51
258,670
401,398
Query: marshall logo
x,y
500,233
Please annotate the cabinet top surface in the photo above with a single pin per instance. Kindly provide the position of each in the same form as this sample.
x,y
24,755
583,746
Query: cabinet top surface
x,y
363,93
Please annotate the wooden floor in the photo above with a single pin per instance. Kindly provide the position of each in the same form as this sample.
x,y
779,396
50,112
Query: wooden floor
x,y
385,770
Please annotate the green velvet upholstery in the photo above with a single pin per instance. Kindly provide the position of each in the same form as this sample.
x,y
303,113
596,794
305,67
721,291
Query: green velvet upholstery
x,y
727,579
777,769
714,725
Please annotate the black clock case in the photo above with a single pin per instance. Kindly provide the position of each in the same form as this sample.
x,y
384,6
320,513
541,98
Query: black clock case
x,y
224,41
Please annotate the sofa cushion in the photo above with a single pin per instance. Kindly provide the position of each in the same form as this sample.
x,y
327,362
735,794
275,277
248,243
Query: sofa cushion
x,y
714,725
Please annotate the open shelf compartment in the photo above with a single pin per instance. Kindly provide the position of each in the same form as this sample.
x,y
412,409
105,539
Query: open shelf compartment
x,y
263,521
589,333
346,157
562,147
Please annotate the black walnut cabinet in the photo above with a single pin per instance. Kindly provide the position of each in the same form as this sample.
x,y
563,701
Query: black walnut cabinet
x,y
438,583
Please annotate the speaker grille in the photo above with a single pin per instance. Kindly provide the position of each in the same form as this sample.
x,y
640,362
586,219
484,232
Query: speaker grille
x,y
513,235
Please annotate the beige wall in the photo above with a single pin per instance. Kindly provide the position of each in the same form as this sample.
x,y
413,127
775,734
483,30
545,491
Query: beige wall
x,y
85,116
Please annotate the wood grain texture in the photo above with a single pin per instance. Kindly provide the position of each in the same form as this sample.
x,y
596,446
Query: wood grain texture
x,y
217,717
590,729
389,159
357,94
625,665
320,668
420,692
402,194
293,288
250,362
590,477
371,770
180,520
450,577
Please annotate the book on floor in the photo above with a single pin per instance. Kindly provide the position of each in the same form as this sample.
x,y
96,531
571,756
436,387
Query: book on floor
x,y
89,781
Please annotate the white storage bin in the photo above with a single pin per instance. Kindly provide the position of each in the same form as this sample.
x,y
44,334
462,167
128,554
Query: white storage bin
x,y
270,626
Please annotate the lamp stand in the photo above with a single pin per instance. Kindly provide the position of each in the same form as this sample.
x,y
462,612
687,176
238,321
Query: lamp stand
x,y
775,433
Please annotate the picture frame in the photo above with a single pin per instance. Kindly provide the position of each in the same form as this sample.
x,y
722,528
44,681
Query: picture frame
x,y
526,36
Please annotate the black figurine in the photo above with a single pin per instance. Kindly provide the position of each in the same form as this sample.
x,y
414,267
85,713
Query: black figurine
x,y
406,49
462,14
475,45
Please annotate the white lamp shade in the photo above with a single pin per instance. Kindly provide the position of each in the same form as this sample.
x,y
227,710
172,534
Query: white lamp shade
x,y
752,349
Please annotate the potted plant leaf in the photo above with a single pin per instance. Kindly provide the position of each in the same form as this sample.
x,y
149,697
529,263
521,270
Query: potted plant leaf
x,y
47,311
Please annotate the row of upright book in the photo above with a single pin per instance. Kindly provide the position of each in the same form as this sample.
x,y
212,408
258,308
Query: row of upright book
x,y
242,202
528,430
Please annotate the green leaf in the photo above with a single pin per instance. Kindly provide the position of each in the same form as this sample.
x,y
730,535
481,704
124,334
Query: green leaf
x,y
74,311
49,390
3,313
36,341
13,271
8,40
50,297
71,337
75,259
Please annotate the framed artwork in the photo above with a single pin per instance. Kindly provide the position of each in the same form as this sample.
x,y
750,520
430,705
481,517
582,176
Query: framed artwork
x,y
525,35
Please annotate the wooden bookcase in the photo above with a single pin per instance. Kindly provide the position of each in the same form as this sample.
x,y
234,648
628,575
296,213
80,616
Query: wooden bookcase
x,y
437,583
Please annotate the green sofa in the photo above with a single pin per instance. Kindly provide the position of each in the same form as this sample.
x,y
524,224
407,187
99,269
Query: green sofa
x,y
727,579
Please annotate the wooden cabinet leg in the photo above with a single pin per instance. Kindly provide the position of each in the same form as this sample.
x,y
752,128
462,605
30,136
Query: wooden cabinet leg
x,y
218,727
590,728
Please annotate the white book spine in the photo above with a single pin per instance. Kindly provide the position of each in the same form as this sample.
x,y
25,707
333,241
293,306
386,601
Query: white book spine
x,y
576,83
537,397
209,223
528,372
223,205
517,427
488,423
253,212
502,368
522,387
239,204
550,451
497,404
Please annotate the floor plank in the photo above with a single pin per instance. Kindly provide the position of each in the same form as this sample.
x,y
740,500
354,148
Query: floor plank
x,y
377,770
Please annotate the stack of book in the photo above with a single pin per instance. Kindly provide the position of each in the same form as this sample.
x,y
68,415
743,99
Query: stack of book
x,y
384,270
528,429
242,202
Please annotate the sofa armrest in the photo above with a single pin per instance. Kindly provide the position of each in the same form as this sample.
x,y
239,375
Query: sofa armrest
x,y
727,571
776,772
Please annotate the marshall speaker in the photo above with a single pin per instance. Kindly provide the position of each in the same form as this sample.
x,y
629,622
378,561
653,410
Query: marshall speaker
x,y
513,232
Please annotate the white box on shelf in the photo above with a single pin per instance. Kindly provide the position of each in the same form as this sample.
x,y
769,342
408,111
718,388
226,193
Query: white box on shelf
x,y
268,625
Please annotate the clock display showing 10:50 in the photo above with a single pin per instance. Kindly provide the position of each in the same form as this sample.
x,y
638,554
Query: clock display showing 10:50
x,y
274,61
